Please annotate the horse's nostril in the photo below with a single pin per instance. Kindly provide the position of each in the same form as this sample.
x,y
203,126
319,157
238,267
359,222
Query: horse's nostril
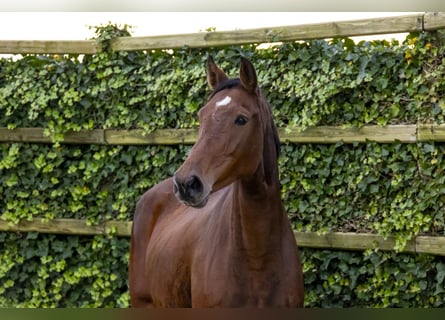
x,y
194,186
189,189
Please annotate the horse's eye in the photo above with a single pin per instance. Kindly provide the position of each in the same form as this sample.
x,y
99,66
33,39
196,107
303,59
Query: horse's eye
x,y
240,120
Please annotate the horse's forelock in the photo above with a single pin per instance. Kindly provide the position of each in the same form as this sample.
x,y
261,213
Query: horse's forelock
x,y
226,84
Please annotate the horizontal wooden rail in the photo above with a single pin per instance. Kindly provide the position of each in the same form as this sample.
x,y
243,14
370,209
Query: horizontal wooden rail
x,y
323,134
103,136
400,24
363,241
334,240
433,21
363,27
69,227
49,47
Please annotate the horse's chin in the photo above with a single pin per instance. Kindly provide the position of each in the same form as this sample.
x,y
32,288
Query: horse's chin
x,y
198,204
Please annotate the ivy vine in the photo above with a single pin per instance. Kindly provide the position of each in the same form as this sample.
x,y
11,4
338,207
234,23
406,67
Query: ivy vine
x,y
391,189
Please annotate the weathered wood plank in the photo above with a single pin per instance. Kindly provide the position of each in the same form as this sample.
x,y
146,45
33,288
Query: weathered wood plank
x,y
431,132
322,134
361,27
69,227
119,228
330,134
95,136
335,240
407,23
160,137
32,135
349,241
50,47
36,135
434,21
431,245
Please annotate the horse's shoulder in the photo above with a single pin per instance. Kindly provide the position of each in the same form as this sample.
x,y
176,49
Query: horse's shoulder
x,y
153,204
160,190
155,199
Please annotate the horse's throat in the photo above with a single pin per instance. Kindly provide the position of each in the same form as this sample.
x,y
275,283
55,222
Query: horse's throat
x,y
256,222
258,210
263,184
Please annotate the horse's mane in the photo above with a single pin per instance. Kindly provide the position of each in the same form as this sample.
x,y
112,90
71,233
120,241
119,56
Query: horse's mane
x,y
236,82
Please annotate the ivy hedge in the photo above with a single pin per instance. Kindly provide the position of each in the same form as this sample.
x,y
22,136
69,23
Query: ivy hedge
x,y
391,189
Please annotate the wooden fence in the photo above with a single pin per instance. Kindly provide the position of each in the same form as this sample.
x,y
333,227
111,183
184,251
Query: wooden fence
x,y
333,240
408,23
410,133
383,134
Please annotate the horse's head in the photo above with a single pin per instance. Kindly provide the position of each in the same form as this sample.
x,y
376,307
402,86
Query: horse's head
x,y
230,144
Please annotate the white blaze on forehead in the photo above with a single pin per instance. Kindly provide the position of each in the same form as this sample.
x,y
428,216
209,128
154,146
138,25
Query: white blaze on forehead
x,y
223,102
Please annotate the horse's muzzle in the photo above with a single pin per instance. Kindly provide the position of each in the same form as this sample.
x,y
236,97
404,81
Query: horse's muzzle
x,y
190,191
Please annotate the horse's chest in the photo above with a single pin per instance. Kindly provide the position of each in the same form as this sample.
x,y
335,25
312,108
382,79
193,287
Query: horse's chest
x,y
191,260
230,285
223,277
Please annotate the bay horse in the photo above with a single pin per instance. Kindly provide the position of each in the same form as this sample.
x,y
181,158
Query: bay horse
x,y
216,233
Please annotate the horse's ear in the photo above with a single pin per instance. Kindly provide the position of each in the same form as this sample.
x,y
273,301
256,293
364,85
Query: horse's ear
x,y
214,74
247,75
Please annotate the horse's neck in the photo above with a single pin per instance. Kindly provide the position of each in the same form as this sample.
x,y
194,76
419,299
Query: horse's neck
x,y
257,225
258,211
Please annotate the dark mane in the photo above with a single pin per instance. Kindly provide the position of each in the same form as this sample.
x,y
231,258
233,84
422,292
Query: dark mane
x,y
227,84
